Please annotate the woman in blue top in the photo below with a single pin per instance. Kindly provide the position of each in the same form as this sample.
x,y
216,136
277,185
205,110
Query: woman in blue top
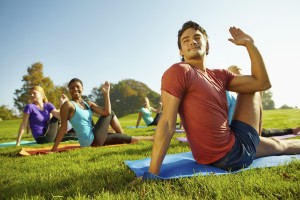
x,y
79,112
146,113
39,113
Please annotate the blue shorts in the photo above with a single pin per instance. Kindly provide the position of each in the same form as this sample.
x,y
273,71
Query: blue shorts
x,y
244,149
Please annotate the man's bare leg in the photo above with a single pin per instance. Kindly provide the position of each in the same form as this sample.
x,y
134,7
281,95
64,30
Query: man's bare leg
x,y
272,146
249,110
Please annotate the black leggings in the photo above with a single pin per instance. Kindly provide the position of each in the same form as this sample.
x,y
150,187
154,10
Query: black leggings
x,y
50,133
276,132
156,119
102,137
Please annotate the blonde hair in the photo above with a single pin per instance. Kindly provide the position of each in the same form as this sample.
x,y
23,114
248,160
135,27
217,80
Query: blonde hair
x,y
41,90
147,102
234,69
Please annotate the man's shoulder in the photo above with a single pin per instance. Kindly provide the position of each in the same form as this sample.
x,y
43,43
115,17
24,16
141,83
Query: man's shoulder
x,y
182,65
217,70
178,68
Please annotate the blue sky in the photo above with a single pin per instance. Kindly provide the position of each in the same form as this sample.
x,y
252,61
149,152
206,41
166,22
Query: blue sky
x,y
120,39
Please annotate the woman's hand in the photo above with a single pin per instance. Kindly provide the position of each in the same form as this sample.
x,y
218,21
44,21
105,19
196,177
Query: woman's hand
x,y
105,88
63,99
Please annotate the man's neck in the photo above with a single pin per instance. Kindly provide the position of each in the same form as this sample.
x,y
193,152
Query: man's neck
x,y
197,63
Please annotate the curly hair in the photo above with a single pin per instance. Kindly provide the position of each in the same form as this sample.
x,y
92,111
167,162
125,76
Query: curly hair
x,y
191,24
75,80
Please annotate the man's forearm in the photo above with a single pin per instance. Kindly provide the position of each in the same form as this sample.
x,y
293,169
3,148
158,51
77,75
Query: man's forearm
x,y
161,144
258,69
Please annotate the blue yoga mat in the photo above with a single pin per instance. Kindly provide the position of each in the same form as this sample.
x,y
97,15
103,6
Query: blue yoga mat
x,y
23,142
183,165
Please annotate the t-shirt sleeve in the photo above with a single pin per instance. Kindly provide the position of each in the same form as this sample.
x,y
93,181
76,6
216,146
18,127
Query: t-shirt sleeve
x,y
226,76
27,109
50,107
174,80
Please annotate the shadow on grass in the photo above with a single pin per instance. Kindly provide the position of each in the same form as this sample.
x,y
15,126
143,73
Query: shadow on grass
x,y
88,172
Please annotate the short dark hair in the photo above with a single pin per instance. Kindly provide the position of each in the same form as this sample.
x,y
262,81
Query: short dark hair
x,y
191,24
75,80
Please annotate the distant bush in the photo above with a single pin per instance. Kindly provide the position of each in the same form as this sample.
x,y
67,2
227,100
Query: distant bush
x,y
286,107
6,113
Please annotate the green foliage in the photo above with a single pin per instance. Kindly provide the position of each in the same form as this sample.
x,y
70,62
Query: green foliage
x,y
100,173
126,96
6,113
34,77
267,102
285,107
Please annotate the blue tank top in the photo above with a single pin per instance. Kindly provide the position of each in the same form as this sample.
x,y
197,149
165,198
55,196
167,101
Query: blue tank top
x,y
147,115
82,124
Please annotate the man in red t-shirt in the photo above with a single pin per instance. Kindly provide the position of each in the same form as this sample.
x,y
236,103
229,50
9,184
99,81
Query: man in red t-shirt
x,y
198,94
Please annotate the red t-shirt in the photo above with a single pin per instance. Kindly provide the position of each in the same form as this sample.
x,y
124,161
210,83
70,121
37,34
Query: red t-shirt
x,y
203,109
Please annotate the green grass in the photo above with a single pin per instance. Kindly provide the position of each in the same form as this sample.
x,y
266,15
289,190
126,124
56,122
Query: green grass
x,y
100,173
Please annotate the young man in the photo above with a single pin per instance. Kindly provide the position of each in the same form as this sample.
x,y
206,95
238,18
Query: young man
x,y
199,95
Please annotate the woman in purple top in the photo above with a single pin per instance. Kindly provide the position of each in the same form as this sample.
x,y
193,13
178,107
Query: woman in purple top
x,y
39,113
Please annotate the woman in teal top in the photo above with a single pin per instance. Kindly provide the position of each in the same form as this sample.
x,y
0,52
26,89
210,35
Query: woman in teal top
x,y
80,112
146,113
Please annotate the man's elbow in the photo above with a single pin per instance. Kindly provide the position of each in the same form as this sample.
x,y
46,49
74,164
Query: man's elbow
x,y
267,85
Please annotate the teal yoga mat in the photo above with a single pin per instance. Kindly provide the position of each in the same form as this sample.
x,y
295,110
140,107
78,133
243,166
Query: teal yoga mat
x,y
183,165
23,142
135,127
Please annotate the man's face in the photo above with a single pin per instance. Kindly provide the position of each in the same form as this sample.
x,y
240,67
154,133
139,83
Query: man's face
x,y
193,44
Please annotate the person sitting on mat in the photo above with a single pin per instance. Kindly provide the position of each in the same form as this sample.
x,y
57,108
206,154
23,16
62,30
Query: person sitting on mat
x,y
146,113
265,132
42,117
198,93
79,113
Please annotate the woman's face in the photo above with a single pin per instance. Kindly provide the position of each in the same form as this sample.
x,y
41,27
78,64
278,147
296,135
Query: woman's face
x,y
75,89
36,96
146,102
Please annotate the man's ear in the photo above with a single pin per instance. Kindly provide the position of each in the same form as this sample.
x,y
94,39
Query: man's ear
x,y
180,52
181,55
207,47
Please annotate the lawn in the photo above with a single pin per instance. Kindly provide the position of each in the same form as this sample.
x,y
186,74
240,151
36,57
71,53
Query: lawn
x,y
100,173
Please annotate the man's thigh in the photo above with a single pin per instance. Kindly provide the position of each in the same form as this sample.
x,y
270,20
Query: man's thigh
x,y
248,109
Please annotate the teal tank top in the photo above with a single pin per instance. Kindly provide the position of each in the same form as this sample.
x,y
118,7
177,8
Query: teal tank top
x,y
147,115
82,124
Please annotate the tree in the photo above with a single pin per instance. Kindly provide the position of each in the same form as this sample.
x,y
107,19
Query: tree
x,y
267,102
126,96
35,77
6,113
